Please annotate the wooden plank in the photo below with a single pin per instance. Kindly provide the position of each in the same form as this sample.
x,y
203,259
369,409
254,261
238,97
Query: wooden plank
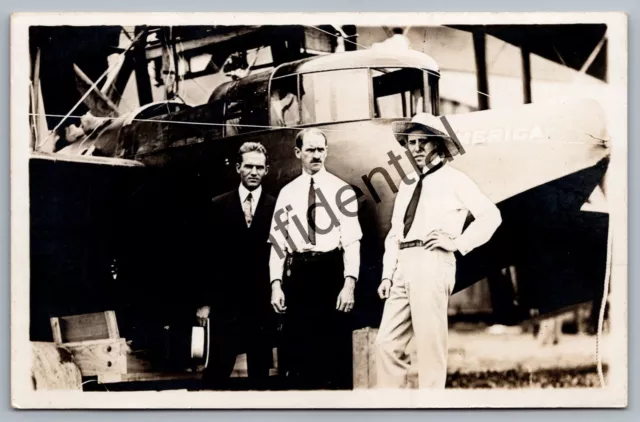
x,y
148,376
143,80
137,363
205,42
316,40
351,31
99,104
112,324
95,358
480,48
526,75
361,358
35,97
109,378
89,159
116,87
84,327
55,329
105,341
371,345
364,361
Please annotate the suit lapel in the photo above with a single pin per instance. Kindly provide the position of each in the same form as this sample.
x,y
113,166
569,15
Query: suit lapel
x,y
236,209
259,208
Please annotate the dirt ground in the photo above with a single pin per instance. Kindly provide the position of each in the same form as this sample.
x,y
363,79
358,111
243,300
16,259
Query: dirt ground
x,y
495,357
509,358
513,360
483,351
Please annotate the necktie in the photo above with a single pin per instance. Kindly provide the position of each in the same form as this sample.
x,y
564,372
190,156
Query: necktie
x,y
311,214
246,207
410,214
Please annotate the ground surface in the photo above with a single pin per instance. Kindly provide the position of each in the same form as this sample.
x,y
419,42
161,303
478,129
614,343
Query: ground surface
x,y
482,351
512,359
479,358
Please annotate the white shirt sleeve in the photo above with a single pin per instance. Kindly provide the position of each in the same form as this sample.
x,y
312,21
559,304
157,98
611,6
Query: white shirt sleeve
x,y
350,235
351,256
276,265
392,240
486,215
278,239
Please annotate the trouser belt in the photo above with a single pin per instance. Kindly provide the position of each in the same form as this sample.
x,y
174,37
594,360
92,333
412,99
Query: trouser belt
x,y
412,244
314,255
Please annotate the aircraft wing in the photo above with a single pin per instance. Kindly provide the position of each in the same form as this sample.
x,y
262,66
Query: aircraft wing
x,y
568,44
509,151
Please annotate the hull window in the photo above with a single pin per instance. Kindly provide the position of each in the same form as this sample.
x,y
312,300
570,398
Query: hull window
x,y
233,118
400,92
334,96
285,102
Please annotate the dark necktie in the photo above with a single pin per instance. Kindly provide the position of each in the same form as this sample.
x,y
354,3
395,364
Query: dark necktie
x,y
410,215
311,214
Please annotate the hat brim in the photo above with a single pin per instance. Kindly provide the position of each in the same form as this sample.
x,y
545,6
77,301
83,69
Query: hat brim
x,y
402,129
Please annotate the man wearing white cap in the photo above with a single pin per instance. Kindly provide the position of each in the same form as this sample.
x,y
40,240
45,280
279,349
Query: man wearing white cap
x,y
419,264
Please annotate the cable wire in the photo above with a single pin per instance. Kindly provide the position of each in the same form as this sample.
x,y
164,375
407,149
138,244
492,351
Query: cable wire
x,y
90,90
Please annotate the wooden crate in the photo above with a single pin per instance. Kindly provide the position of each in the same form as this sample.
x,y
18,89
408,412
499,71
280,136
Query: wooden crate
x,y
85,327
98,350
364,360
94,342
96,357
364,363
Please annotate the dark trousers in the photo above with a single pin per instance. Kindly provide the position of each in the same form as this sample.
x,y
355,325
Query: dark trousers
x,y
231,336
315,350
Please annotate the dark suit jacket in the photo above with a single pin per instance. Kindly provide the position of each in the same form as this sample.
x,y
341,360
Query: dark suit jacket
x,y
237,257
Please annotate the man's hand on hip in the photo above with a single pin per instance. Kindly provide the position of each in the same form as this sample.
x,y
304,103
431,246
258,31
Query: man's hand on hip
x,y
277,298
384,289
346,298
438,239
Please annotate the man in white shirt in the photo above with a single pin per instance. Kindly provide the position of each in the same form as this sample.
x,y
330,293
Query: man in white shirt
x,y
314,265
419,265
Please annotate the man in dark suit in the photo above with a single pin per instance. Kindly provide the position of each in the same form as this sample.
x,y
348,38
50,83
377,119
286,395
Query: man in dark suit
x,y
238,270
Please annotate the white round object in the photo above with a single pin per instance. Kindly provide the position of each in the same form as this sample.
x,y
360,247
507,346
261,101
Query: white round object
x,y
197,342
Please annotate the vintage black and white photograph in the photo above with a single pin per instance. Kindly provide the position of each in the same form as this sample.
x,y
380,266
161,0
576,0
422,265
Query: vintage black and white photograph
x,y
317,210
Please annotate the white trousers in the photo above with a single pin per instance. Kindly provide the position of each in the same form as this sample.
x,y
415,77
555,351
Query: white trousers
x,y
416,309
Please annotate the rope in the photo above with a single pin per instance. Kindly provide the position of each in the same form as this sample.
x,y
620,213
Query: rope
x,y
597,141
603,304
207,323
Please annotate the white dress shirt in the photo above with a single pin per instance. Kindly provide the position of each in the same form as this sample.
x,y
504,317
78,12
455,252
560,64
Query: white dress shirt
x,y
255,197
446,198
292,204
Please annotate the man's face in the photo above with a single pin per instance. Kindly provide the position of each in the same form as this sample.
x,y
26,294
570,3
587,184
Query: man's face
x,y
313,152
421,147
252,169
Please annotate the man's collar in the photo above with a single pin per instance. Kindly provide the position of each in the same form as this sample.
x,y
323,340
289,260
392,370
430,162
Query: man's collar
x,y
255,194
427,170
306,177
433,167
